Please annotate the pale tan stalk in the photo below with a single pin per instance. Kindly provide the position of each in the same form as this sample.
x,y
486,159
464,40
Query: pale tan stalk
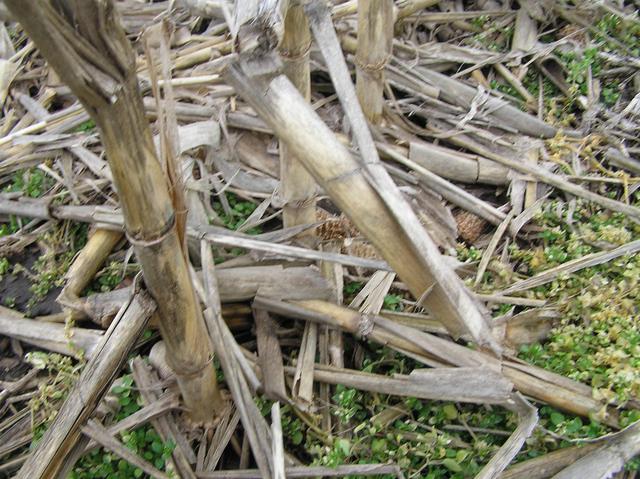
x,y
375,37
409,7
297,186
532,186
86,265
342,177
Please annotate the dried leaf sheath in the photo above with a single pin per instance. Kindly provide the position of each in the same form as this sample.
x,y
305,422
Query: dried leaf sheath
x,y
96,61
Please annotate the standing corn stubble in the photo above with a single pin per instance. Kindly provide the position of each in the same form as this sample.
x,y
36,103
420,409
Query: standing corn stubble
x,y
84,42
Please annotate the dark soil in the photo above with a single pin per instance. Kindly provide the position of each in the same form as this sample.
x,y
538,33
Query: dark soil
x,y
15,288
12,367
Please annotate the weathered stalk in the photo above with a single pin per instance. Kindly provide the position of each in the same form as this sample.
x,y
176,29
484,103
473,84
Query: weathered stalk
x,y
341,176
298,188
457,166
86,45
446,296
111,218
47,335
409,7
543,467
55,449
85,267
432,350
375,37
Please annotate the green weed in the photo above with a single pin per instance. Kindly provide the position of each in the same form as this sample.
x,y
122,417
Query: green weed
x,y
9,228
49,270
85,127
240,211
5,266
393,302
352,288
62,373
143,441
598,340
32,182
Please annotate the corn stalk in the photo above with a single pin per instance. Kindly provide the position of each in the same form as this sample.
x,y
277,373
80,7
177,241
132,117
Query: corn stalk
x,y
84,42
297,186
375,37
282,107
